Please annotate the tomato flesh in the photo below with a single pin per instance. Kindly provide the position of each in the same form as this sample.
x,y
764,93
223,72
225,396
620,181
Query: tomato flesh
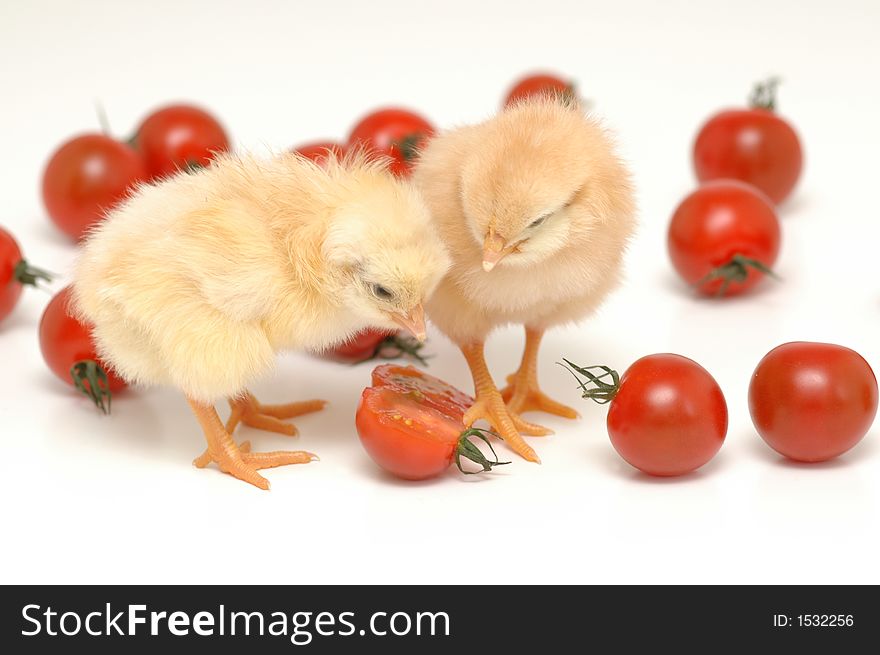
x,y
426,389
812,401
669,416
410,422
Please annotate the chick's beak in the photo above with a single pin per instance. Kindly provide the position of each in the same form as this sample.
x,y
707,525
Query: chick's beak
x,y
413,322
494,248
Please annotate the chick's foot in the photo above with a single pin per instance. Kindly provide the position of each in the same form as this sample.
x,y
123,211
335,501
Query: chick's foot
x,y
248,410
522,393
235,460
489,405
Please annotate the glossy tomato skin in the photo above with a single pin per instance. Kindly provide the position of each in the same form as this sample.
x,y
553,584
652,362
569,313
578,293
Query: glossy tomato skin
x,y
179,136
540,84
86,177
406,439
717,221
362,345
64,341
318,151
812,401
755,146
669,416
393,132
10,287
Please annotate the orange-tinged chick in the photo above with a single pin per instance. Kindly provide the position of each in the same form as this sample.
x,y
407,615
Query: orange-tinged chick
x,y
198,281
536,209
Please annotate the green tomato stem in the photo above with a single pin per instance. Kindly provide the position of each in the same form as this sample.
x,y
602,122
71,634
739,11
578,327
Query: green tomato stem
x,y
763,94
469,450
92,381
30,275
601,392
736,270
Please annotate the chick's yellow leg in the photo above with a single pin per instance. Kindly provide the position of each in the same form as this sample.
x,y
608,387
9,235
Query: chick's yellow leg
x,y
236,460
522,392
248,410
489,405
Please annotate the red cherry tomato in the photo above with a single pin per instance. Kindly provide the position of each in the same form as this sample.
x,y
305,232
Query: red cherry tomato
x,y
404,427
397,133
85,178
812,401
69,352
362,346
724,238
539,85
753,145
667,415
10,285
14,273
318,151
179,137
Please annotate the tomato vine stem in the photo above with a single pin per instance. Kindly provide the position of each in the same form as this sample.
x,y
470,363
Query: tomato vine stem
x,y
402,345
736,270
91,380
409,146
30,275
763,94
602,392
469,450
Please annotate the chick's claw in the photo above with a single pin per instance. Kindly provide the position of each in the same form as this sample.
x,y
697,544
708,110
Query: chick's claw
x,y
244,464
249,411
238,460
526,427
490,407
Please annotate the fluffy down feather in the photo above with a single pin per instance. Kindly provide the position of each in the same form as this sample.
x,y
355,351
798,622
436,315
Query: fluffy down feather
x,y
546,179
196,282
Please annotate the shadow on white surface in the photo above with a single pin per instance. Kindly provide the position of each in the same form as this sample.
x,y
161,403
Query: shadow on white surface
x,y
863,451
618,467
796,204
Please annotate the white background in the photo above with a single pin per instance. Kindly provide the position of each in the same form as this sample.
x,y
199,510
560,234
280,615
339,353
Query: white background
x,y
87,498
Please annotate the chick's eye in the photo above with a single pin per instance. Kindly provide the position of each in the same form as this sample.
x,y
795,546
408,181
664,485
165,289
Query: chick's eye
x,y
538,221
382,292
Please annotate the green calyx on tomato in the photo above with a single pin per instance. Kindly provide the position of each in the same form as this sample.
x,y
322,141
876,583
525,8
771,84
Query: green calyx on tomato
x,y
763,94
469,450
736,270
395,345
408,146
27,274
91,380
602,392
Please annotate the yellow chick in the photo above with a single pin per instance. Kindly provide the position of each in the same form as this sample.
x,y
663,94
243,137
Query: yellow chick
x,y
536,210
198,281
